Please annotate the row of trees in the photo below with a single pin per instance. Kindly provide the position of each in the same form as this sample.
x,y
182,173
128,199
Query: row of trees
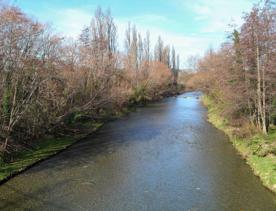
x,y
242,74
44,78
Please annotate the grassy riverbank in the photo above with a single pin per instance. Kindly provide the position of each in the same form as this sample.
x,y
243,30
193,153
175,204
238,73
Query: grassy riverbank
x,y
259,151
49,146
44,149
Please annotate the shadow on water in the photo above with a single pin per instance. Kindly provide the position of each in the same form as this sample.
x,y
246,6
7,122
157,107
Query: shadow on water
x,y
36,197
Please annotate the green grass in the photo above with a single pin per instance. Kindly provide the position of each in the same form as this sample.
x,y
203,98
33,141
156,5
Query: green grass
x,y
43,149
259,150
48,147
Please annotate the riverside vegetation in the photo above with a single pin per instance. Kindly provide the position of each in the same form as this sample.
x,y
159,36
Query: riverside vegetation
x,y
239,82
54,91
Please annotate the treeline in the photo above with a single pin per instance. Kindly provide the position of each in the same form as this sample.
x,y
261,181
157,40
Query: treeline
x,y
45,79
241,75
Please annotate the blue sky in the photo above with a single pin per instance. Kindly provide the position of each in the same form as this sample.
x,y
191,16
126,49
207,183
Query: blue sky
x,y
192,26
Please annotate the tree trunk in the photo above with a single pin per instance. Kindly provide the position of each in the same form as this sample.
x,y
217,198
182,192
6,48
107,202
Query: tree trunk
x,y
261,113
264,118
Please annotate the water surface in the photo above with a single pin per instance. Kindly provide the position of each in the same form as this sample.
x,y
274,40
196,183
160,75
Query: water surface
x,y
162,157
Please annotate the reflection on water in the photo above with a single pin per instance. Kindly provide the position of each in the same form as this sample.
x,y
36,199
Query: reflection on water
x,y
162,157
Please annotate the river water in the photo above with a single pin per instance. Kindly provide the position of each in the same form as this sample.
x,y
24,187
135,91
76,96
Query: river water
x,y
165,156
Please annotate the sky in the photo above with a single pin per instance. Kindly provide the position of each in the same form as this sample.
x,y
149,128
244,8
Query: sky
x,y
192,26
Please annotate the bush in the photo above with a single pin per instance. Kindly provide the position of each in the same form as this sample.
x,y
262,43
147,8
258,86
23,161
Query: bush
x,y
246,130
265,149
139,96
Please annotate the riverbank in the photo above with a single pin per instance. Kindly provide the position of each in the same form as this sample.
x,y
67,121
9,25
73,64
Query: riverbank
x,y
259,151
44,149
52,145
49,146
162,153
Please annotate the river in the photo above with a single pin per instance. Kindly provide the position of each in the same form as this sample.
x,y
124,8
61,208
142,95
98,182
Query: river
x,y
165,156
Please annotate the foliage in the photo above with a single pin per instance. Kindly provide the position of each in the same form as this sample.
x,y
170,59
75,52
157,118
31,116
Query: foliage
x,y
48,83
139,96
241,75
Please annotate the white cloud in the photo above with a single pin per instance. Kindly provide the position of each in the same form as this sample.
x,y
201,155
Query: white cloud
x,y
213,15
150,18
185,45
218,14
71,21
